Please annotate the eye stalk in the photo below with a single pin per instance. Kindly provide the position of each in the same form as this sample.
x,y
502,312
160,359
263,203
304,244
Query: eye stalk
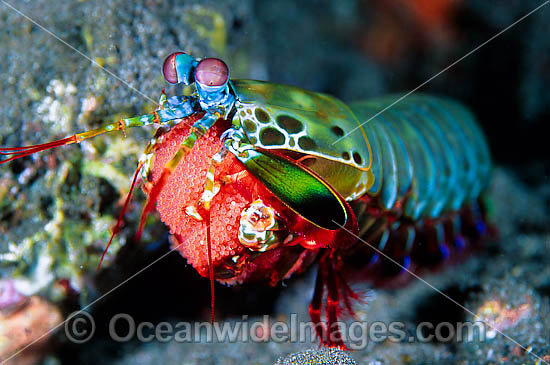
x,y
178,68
210,75
211,78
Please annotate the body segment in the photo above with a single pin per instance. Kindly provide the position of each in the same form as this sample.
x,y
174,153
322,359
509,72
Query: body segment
x,y
429,151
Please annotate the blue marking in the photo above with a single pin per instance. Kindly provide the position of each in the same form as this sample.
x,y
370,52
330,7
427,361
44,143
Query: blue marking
x,y
481,227
175,100
445,253
406,263
185,68
374,258
460,243
179,111
213,96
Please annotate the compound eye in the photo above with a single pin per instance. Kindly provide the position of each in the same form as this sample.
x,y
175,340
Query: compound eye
x,y
169,68
212,72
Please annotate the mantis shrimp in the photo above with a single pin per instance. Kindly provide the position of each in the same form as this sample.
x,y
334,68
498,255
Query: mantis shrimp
x,y
258,180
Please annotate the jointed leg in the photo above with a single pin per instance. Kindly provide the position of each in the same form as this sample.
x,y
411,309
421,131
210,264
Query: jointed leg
x,y
211,187
339,296
143,165
168,113
333,307
121,125
119,220
317,303
197,131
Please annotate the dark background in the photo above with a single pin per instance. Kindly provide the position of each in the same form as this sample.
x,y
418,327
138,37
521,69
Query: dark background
x,y
359,49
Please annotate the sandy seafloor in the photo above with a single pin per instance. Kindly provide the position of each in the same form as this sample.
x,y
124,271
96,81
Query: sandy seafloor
x,y
56,208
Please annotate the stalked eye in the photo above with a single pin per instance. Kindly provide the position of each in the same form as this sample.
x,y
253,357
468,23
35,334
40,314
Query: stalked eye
x,y
169,68
212,72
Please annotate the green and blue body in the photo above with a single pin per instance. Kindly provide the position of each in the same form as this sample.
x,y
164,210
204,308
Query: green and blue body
x,y
425,153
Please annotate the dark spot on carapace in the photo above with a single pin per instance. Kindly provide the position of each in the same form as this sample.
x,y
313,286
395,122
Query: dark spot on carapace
x,y
271,137
357,158
249,125
262,115
307,143
290,124
308,161
345,155
253,140
292,143
339,132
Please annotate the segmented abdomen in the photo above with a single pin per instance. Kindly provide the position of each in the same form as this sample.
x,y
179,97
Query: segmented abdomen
x,y
428,154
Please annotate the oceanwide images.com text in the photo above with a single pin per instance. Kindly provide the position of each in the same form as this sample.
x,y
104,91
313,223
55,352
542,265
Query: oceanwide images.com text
x,y
80,327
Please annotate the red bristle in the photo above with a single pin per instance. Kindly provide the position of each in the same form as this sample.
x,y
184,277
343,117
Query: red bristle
x,y
210,265
71,139
21,155
28,150
151,200
119,221
19,152
316,304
